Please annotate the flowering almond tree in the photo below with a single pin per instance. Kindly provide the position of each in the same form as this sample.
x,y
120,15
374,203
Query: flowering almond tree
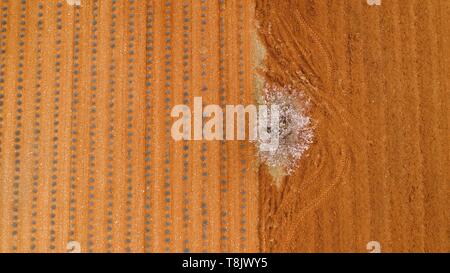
x,y
295,132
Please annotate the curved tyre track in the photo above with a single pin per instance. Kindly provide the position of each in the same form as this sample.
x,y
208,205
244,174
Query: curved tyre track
x,y
304,192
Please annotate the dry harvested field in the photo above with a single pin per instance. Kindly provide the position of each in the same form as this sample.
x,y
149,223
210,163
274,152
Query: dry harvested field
x,y
88,163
